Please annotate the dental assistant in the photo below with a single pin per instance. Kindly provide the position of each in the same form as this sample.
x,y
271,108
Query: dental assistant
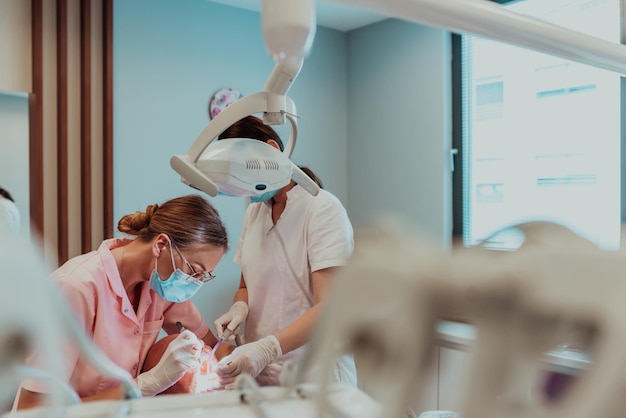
x,y
290,247
127,290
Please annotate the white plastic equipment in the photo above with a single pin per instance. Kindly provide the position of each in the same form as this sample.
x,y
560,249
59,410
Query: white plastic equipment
x,y
556,289
36,316
244,167
265,402
25,322
289,29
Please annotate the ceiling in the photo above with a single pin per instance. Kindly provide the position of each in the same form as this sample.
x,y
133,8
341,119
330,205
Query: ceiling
x,y
329,14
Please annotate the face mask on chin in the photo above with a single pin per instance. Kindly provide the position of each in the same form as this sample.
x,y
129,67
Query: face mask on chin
x,y
263,197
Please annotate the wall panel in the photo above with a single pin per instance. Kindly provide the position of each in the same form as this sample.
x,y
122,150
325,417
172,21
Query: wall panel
x,y
15,48
69,68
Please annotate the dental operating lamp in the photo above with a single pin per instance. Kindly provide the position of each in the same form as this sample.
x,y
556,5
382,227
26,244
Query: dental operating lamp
x,y
247,167
289,27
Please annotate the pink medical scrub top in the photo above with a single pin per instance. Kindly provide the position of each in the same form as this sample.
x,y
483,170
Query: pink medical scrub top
x,y
92,284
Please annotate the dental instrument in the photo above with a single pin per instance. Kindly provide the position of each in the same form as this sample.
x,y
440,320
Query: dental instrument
x,y
227,333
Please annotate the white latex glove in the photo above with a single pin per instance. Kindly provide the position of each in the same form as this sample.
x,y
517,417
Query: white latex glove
x,y
249,358
181,355
232,319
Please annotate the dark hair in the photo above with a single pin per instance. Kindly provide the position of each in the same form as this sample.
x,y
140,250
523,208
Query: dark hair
x,y
254,128
313,176
187,220
4,193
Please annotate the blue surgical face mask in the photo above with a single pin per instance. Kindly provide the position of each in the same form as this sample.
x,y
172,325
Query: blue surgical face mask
x,y
179,287
264,197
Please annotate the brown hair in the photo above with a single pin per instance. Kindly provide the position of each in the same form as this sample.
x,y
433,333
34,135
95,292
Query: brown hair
x,y
253,128
312,175
4,193
187,220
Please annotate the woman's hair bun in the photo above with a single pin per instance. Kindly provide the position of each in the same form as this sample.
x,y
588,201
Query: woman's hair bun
x,y
137,222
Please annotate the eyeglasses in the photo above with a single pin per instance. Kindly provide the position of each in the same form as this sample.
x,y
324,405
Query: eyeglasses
x,y
203,276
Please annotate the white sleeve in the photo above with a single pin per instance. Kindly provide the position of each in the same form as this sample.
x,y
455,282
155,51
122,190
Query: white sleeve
x,y
330,235
9,215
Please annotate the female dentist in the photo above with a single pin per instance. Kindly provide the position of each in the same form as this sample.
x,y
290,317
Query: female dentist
x,y
291,245
127,290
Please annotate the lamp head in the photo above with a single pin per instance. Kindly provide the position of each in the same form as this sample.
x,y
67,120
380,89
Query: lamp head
x,y
241,167
245,167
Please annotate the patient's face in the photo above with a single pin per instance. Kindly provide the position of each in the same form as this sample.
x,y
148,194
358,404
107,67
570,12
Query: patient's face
x,y
195,380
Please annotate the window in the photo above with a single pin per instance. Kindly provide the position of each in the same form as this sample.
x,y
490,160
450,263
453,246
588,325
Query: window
x,y
539,135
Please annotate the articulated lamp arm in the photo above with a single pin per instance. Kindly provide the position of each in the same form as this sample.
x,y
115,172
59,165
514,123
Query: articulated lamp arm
x,y
289,29
271,100
185,165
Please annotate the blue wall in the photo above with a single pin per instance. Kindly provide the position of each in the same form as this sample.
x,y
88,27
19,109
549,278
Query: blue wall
x,y
169,58
375,107
400,126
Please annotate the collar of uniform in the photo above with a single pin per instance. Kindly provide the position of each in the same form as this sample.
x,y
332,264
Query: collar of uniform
x,y
293,194
110,267
296,192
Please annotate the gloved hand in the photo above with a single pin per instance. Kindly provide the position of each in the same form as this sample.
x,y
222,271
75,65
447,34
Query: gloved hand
x,y
249,358
181,355
232,319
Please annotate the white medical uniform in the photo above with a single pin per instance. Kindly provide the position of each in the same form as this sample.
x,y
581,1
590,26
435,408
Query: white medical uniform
x,y
9,215
277,262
